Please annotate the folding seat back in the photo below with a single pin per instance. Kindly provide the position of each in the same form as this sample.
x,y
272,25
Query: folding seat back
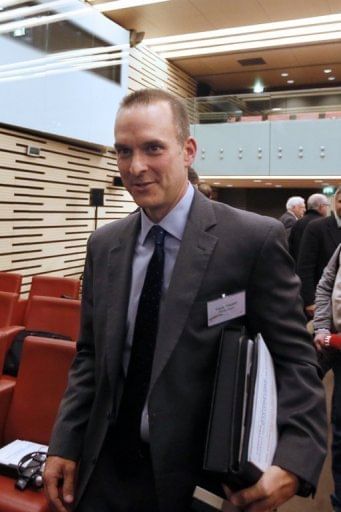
x,y
10,282
40,385
53,286
7,307
51,314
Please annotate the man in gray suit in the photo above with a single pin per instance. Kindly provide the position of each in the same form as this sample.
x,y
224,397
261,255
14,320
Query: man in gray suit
x,y
212,254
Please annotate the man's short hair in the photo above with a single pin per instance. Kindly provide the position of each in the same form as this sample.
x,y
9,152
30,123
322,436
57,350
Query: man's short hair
x,y
316,200
150,96
294,201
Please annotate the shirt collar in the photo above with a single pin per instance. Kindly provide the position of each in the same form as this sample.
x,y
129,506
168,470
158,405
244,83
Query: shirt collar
x,y
174,222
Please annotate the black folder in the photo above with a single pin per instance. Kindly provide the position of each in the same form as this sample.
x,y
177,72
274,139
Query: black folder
x,y
243,411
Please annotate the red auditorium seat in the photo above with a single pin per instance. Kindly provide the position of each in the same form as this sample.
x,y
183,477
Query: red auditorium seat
x,y
307,115
48,286
48,314
53,286
278,117
8,303
10,282
247,119
333,115
32,409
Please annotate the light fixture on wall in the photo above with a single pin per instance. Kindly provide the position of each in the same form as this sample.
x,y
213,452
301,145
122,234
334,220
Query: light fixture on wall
x,y
135,38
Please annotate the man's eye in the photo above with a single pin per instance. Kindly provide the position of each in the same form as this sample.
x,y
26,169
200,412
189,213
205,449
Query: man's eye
x,y
122,152
154,148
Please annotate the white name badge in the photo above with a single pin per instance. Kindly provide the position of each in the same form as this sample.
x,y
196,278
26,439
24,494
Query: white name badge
x,y
225,308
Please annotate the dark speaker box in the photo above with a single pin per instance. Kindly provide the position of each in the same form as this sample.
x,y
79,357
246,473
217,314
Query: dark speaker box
x,y
117,181
96,196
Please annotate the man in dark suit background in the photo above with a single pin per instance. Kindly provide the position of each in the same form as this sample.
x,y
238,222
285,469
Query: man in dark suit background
x,y
319,241
295,208
211,253
317,207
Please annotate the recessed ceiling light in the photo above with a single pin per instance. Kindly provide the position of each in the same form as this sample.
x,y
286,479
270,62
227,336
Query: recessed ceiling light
x,y
290,81
216,183
258,87
328,70
278,186
229,185
331,78
268,183
284,74
318,181
257,181
276,109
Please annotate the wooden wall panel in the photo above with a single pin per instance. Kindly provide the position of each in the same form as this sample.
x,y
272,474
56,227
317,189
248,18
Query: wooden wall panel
x,y
45,217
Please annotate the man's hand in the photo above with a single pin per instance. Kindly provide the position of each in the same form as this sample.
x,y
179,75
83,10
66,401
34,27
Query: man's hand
x,y
59,478
310,310
274,488
319,340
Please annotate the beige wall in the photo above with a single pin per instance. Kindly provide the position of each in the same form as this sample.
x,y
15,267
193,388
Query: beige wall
x,y
45,217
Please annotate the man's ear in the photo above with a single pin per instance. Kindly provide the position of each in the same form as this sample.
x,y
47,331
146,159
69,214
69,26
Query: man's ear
x,y
190,151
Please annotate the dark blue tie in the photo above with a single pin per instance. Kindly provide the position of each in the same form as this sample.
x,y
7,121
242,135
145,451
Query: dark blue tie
x,y
142,352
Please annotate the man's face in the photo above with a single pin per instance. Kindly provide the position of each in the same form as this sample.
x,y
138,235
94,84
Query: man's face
x,y
299,210
151,160
337,205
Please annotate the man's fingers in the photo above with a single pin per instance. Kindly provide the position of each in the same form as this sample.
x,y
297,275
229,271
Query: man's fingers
x,y
68,485
59,477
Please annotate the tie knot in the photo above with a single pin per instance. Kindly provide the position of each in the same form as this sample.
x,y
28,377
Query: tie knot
x,y
157,234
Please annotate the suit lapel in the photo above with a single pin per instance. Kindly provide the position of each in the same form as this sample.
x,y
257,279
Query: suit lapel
x,y
194,255
118,289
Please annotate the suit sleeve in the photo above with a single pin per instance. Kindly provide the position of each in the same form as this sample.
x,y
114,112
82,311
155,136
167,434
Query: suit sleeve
x,y
323,318
275,308
68,432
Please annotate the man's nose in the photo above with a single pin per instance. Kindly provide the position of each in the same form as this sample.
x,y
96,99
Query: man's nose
x,y
138,163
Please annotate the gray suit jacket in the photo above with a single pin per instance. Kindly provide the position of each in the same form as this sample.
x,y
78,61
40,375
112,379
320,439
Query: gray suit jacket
x,y
223,250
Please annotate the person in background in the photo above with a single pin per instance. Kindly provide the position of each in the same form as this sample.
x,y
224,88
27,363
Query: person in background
x,y
327,320
130,433
319,241
205,189
193,177
295,210
317,206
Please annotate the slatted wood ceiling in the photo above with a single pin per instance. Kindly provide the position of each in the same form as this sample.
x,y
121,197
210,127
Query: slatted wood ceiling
x,y
45,217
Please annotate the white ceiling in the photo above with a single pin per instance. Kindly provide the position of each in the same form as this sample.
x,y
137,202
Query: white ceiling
x,y
223,73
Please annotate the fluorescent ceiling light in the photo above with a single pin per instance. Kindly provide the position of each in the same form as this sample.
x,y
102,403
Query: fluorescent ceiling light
x,y
85,9
261,27
34,9
124,4
266,35
63,62
84,67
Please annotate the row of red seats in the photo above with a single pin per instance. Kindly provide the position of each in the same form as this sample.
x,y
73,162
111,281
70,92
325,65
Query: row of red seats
x,y
29,402
28,409
13,309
